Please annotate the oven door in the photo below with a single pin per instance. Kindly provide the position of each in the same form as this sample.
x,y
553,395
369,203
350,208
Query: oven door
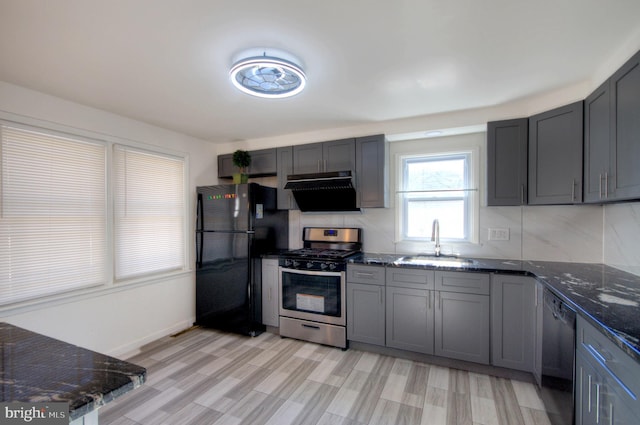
x,y
313,295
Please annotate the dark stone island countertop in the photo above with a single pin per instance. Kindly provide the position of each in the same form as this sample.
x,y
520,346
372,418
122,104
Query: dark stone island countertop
x,y
37,368
607,297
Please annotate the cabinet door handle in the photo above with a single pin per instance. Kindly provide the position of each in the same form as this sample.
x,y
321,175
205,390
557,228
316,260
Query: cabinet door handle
x,y
589,393
269,294
606,184
380,294
610,413
573,190
600,190
522,194
365,274
597,403
325,165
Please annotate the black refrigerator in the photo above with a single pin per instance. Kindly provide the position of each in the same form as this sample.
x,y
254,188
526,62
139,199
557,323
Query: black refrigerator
x,y
235,225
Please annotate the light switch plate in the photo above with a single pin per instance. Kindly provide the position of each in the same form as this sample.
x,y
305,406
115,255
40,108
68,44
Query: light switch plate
x,y
499,234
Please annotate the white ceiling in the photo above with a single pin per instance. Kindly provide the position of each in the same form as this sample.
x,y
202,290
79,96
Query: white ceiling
x,y
166,62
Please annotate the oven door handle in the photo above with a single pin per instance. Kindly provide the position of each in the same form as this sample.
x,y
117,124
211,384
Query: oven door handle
x,y
309,272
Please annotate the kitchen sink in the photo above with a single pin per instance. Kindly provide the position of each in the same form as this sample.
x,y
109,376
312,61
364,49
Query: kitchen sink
x,y
432,260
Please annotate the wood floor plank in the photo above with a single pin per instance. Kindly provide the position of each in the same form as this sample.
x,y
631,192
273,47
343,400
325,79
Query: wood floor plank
x,y
210,377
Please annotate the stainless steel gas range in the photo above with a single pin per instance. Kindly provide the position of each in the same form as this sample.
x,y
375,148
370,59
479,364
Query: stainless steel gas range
x,y
313,285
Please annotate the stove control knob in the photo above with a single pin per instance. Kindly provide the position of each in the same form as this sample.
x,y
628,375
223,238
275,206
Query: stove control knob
x,y
332,266
295,264
287,263
323,266
309,264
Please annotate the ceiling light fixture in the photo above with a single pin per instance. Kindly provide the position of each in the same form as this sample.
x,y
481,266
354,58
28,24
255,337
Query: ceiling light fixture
x,y
268,76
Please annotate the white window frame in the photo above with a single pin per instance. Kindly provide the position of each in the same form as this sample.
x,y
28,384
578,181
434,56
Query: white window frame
x,y
439,146
463,193
110,284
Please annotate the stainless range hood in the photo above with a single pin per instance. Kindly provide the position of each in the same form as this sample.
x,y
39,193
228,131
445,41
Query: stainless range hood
x,y
323,192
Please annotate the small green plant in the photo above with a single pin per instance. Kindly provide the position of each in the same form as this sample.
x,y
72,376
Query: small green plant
x,y
242,160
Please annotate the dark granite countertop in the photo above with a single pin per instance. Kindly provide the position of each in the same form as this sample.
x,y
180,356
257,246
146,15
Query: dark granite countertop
x,y
37,368
606,296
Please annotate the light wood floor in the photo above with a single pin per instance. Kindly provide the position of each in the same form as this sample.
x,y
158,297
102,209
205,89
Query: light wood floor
x,y
209,377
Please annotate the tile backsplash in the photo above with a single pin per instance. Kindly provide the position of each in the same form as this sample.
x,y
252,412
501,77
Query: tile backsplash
x,y
622,236
550,233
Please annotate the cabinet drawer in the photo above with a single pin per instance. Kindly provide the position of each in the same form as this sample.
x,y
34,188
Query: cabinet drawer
x,y
372,275
467,282
410,278
614,361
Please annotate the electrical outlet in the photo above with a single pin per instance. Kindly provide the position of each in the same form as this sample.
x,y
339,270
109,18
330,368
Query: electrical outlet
x,y
499,234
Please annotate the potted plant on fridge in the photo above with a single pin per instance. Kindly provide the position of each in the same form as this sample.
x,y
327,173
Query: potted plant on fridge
x,y
242,160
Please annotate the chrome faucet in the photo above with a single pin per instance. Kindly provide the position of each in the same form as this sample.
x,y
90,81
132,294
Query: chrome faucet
x,y
435,235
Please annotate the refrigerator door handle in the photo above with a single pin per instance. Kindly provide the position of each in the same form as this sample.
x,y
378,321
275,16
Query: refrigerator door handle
x,y
199,213
199,231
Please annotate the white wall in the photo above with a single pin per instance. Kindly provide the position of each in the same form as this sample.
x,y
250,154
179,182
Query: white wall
x,y
118,322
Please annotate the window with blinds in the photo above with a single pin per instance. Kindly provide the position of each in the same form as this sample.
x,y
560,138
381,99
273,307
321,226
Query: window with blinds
x,y
59,220
148,212
52,213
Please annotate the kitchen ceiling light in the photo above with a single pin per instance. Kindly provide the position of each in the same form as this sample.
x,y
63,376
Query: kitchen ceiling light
x,y
268,76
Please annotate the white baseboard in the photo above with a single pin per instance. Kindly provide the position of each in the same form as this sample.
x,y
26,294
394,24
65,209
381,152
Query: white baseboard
x,y
134,347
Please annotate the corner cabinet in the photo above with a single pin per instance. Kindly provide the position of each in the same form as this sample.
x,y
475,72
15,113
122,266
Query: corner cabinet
x,y
607,380
366,304
555,156
372,175
612,137
462,316
513,321
270,315
507,144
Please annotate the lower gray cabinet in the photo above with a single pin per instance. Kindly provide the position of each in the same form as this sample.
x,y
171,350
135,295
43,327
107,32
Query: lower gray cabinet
x,y
410,319
366,304
270,315
462,316
607,380
409,309
462,326
513,314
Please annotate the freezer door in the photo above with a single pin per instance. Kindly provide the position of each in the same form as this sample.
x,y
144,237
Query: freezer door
x,y
223,207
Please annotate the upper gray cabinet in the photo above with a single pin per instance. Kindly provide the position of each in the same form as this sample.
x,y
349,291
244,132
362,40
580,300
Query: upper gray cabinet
x,y
225,166
263,163
507,162
597,133
612,137
285,167
372,176
337,155
555,156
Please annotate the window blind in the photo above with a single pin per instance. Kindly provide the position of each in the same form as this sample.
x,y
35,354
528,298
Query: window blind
x,y
149,212
52,213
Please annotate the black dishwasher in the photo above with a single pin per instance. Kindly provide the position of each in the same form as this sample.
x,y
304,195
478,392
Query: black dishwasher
x,y
558,359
